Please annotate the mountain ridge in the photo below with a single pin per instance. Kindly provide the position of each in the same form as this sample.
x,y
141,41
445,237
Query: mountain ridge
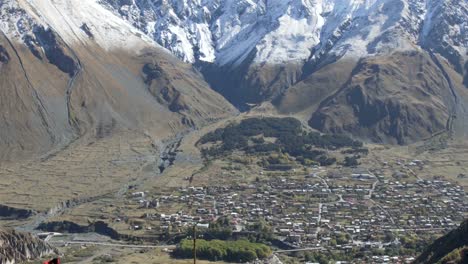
x,y
293,53
268,49
61,82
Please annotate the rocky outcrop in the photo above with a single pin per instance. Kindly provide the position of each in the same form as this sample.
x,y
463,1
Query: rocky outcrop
x,y
16,247
98,227
87,30
71,227
33,46
152,72
54,50
162,89
7,212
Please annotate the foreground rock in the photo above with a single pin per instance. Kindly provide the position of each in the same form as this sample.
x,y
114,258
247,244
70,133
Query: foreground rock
x,y
16,247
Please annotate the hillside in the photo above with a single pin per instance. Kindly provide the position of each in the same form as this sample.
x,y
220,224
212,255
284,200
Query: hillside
x,y
399,98
446,247
73,69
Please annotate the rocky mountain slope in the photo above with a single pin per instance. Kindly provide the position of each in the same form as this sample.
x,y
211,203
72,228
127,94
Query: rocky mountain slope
x,y
298,53
16,247
455,242
391,99
70,69
76,67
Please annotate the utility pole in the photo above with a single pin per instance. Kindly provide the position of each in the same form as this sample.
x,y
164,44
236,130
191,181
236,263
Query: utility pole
x,y
195,244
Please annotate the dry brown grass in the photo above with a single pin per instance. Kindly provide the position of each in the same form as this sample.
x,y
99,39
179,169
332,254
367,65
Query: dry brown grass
x,y
88,168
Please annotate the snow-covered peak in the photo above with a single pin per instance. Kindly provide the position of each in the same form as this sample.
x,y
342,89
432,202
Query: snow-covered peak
x,y
445,28
228,32
75,21
279,31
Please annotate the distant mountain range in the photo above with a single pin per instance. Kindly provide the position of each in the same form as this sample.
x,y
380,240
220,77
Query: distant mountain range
x,y
389,71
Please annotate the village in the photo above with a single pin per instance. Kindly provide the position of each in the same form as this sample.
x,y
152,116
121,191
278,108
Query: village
x,y
317,210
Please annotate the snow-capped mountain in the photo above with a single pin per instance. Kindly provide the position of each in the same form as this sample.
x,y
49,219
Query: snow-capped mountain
x,y
226,31
72,69
322,60
273,32
286,51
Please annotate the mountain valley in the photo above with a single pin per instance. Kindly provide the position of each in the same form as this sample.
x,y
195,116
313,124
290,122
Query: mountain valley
x,y
106,108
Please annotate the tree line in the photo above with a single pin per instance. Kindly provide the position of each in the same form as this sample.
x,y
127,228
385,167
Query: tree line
x,y
249,134
239,251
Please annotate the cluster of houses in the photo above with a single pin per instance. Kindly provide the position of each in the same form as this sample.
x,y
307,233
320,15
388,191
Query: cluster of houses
x,y
424,204
335,213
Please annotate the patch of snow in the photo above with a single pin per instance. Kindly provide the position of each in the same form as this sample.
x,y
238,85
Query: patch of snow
x,y
14,21
298,32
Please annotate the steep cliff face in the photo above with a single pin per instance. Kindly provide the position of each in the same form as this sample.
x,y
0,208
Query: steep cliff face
x,y
16,247
275,32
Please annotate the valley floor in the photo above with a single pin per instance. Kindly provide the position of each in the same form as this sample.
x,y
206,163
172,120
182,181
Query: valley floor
x,y
100,180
